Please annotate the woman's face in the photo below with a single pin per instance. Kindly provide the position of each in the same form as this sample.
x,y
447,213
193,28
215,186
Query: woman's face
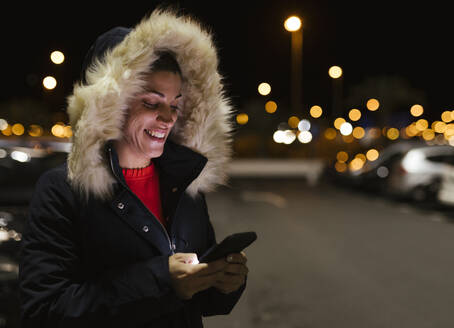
x,y
150,118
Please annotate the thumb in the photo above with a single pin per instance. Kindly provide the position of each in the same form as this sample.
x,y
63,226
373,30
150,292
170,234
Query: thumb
x,y
188,258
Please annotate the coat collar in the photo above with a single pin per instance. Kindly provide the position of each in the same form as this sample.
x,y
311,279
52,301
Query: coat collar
x,y
178,165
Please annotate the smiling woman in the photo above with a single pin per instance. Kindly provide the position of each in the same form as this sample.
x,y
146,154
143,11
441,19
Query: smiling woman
x,y
115,234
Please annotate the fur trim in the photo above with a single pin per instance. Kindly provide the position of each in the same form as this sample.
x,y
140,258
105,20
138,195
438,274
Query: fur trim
x,y
97,109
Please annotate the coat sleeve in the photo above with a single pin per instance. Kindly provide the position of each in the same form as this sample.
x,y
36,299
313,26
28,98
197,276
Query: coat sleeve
x,y
52,289
212,301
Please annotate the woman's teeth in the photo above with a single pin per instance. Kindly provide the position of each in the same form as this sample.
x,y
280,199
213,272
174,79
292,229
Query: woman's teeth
x,y
155,134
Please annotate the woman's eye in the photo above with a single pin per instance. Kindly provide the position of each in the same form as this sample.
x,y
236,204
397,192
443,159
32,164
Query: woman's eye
x,y
150,105
175,107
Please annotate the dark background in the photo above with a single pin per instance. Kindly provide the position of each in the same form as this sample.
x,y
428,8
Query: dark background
x,y
367,39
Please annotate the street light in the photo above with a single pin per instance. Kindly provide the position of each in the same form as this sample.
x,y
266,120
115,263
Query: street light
x,y
293,24
49,82
57,57
335,72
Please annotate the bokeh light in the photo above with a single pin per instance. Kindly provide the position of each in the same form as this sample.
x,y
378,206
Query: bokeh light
x,y
342,156
305,137
416,110
449,131
411,130
356,164
354,114
392,133
49,82
346,128
361,156
7,131
68,132
428,134
335,72
372,104
316,111
279,136
340,167
264,89
446,116
270,107
289,137
292,24
57,57
3,124
18,129
372,154
422,124
330,134
338,122
58,130
358,132
242,118
293,122
35,130
439,127
304,125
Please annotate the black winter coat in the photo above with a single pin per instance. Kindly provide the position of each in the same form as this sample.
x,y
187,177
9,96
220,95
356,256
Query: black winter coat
x,y
91,263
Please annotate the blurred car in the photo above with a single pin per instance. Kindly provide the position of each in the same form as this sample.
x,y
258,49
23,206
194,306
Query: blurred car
x,y
418,173
446,193
373,176
21,164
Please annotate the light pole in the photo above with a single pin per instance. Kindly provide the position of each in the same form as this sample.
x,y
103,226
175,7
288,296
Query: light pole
x,y
293,24
335,72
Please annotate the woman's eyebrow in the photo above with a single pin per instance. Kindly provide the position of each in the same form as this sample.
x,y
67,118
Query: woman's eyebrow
x,y
160,93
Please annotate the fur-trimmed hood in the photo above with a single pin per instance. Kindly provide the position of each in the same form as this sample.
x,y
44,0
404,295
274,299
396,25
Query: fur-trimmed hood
x,y
97,107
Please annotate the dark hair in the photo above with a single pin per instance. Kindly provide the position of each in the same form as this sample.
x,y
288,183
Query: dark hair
x,y
166,62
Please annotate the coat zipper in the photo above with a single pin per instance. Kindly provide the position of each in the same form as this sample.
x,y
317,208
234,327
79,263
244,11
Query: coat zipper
x,y
171,244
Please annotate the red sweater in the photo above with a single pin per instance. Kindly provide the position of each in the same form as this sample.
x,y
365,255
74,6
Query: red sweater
x,y
145,184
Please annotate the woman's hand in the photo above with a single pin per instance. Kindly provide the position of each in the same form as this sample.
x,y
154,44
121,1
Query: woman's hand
x,y
234,273
190,277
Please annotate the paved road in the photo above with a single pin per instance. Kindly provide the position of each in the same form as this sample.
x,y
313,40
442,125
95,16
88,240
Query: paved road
x,y
327,257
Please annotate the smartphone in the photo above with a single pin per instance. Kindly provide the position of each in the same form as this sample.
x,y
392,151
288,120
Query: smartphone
x,y
231,244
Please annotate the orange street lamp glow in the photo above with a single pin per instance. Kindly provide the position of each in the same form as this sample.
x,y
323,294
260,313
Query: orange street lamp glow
x,y
446,116
242,118
422,124
292,24
293,122
340,167
342,156
270,107
338,122
354,114
358,132
372,104
18,129
330,134
392,133
316,111
416,110
372,154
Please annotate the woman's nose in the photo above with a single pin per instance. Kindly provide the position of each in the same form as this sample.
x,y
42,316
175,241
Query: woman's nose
x,y
166,114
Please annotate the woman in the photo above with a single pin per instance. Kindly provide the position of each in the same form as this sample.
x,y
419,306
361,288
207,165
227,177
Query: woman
x,y
114,234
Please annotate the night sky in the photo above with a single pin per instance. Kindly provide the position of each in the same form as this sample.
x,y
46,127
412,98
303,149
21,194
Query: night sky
x,y
370,39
